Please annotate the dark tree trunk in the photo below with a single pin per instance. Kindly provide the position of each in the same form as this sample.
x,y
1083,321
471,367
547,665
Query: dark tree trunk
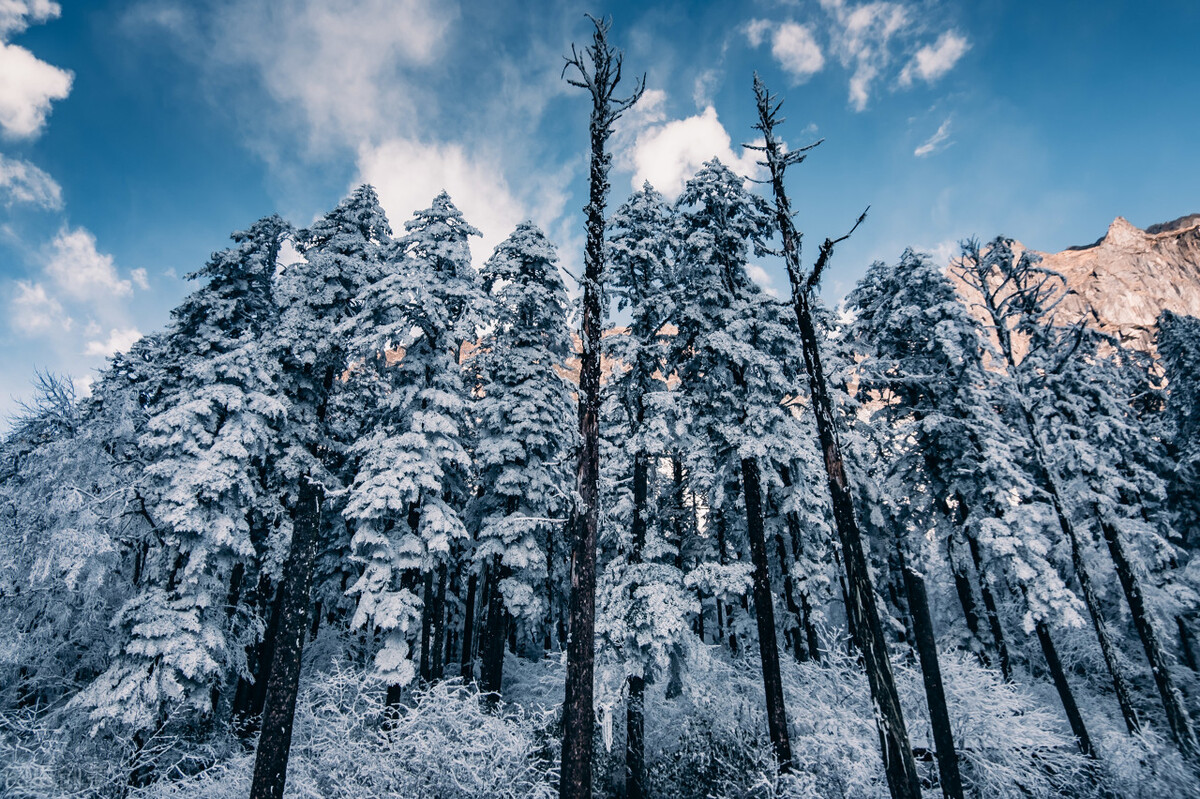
x,y
599,72
439,624
491,654
251,693
1074,718
931,672
1177,716
794,530
635,758
468,635
426,664
283,677
966,600
1185,643
764,613
635,740
993,612
794,634
901,769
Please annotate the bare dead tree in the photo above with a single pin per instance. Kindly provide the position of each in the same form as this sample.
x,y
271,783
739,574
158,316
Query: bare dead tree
x,y
865,625
597,69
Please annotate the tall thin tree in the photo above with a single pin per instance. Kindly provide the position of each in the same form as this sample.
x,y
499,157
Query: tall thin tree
x,y
598,70
899,765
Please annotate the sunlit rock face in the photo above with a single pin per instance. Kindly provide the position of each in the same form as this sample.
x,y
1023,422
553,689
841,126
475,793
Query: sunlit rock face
x,y
1124,280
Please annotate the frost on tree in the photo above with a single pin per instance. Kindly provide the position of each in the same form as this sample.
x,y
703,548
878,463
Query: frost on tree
x,y
413,465
526,439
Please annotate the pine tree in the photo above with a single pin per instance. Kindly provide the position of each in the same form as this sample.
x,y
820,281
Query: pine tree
x,y
643,605
209,439
342,256
732,356
413,467
525,439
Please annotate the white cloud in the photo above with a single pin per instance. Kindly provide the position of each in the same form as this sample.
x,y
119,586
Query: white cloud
x,y
409,174
80,270
669,154
17,15
140,278
762,278
793,45
32,311
936,142
27,87
797,51
933,61
119,340
22,182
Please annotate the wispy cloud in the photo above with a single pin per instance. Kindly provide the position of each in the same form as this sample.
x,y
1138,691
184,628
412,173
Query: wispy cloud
x,y
940,140
866,39
33,312
24,183
119,340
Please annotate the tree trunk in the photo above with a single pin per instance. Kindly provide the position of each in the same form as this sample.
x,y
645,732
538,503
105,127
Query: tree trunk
x,y
635,758
283,680
993,612
1177,716
491,654
794,634
966,600
468,636
903,781
764,613
251,693
436,671
931,672
1185,643
901,770
426,670
1064,690
635,739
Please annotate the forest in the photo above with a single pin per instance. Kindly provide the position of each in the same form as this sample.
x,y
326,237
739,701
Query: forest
x,y
366,521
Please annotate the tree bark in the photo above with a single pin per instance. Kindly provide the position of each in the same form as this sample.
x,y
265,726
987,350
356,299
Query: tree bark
x,y
436,670
426,668
993,612
1074,718
491,654
468,636
283,680
1177,716
931,672
635,758
764,613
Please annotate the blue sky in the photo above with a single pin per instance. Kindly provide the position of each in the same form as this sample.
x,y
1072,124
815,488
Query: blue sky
x,y
134,136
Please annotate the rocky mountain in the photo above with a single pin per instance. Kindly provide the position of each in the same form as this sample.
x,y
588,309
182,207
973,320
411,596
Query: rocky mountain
x,y
1122,281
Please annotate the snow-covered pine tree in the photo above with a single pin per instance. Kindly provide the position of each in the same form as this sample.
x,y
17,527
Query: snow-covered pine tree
x,y
526,439
210,436
342,256
644,606
1178,342
1100,445
734,359
413,468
